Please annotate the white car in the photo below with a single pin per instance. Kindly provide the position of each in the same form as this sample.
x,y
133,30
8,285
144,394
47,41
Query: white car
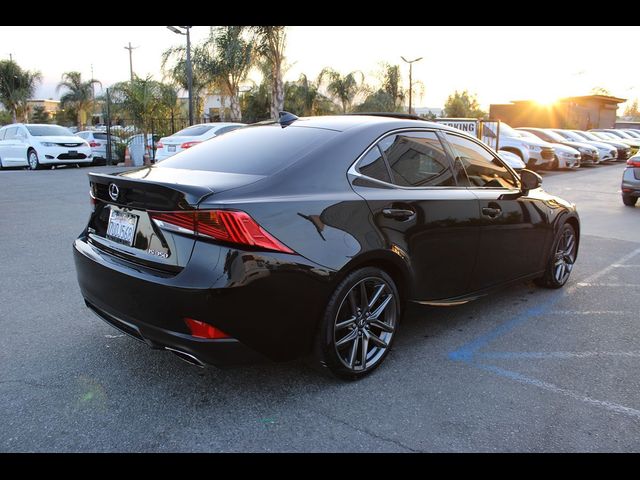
x,y
191,136
98,142
533,151
511,159
35,146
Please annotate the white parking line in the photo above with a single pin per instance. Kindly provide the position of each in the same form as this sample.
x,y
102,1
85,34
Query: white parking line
x,y
613,285
560,355
591,312
626,266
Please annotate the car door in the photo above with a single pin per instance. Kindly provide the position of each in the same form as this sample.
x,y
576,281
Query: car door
x,y
420,212
9,151
21,145
514,226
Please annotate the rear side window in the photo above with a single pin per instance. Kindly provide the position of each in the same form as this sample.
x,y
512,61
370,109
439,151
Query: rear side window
x,y
417,159
259,150
372,165
11,133
2,132
100,136
483,169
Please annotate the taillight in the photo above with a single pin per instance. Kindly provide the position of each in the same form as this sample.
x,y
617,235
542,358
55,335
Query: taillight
x,y
204,330
224,225
159,145
633,162
93,144
189,144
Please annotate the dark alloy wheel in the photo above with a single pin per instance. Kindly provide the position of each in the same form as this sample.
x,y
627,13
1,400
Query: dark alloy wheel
x,y
562,260
359,324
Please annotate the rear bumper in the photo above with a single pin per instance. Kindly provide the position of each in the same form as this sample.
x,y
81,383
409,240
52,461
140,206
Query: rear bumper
x,y
268,303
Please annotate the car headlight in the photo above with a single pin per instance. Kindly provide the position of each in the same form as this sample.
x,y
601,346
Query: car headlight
x,y
566,154
48,144
586,151
534,148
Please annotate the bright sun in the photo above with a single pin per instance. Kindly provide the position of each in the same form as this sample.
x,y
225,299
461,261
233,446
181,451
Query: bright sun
x,y
546,99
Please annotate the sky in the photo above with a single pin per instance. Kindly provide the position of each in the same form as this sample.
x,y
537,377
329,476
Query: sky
x,y
499,64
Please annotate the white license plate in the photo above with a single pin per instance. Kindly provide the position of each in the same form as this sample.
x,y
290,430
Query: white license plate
x,y
171,148
122,227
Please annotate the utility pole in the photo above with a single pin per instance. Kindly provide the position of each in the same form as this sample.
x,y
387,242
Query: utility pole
x,y
410,62
93,96
131,49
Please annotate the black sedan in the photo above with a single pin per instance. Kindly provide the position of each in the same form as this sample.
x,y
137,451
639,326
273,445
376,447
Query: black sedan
x,y
308,236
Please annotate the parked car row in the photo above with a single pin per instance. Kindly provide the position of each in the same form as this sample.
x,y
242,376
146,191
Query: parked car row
x,y
553,148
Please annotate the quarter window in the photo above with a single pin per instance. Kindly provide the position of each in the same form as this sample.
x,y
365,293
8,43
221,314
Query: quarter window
x,y
11,133
417,159
372,165
483,169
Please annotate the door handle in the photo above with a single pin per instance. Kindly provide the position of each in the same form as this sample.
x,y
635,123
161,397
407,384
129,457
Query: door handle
x,y
398,213
491,212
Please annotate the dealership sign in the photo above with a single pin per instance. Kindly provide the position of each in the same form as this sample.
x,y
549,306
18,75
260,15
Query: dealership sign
x,y
467,125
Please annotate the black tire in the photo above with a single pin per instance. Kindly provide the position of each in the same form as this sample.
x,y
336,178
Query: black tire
x,y
369,330
629,201
32,160
1,166
561,259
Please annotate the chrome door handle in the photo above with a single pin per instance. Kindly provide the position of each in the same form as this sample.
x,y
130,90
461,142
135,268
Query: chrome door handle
x,y
398,213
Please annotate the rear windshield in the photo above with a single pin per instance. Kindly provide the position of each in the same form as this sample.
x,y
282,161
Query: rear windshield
x,y
48,130
259,150
194,131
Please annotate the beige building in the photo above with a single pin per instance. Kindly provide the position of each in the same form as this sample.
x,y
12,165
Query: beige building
x,y
50,106
583,113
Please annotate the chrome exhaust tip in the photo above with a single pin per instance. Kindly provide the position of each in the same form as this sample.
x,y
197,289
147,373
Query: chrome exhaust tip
x,y
187,357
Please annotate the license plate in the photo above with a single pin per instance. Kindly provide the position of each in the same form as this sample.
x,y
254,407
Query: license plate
x,y
73,152
122,227
171,148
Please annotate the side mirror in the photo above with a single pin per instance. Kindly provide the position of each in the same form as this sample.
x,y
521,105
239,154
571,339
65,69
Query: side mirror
x,y
529,180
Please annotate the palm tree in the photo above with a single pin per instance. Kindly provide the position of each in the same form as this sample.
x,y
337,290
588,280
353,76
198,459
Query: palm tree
x,y
79,95
270,45
345,88
303,97
226,58
174,68
16,86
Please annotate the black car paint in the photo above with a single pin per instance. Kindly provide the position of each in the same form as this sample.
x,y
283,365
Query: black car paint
x,y
271,302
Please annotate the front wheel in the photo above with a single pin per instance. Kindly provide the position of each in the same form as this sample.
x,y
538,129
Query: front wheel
x,y
359,324
32,157
562,259
629,201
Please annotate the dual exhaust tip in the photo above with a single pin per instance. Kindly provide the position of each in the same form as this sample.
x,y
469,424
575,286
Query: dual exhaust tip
x,y
187,357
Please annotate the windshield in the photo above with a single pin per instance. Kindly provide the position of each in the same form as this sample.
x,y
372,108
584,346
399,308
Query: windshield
x,y
620,134
569,135
581,135
632,133
508,131
49,131
550,136
194,131
590,136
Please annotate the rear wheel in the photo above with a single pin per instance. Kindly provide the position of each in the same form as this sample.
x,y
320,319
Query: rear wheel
x,y
32,157
359,324
629,201
562,260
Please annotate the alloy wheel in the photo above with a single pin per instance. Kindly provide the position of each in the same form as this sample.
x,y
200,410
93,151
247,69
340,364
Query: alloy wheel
x,y
33,160
565,256
365,324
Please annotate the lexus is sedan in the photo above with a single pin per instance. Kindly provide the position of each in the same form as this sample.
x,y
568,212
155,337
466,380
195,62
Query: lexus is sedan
x,y
308,236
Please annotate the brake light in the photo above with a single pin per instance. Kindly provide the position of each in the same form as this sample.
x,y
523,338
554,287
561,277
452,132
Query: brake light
x,y
634,162
204,330
93,144
189,144
159,145
225,225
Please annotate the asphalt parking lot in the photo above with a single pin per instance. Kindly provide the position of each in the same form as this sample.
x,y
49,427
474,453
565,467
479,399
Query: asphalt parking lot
x,y
525,369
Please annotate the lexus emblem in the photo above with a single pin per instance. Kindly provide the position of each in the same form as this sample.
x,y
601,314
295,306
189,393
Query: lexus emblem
x,y
114,191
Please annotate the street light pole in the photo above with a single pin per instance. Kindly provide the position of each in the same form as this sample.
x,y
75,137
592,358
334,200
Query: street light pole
x,y
189,66
410,62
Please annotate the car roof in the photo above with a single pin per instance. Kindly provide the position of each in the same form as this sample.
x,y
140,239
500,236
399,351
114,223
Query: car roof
x,y
345,122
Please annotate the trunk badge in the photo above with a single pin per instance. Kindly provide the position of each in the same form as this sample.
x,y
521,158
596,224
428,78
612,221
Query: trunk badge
x,y
114,191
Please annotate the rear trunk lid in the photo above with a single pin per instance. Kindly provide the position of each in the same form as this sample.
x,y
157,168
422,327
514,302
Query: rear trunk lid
x,y
121,222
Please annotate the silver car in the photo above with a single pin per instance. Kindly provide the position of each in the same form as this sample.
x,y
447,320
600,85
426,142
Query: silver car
x,y
98,143
631,181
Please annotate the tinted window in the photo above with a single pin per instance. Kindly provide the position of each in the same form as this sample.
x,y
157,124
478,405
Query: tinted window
x,y
259,150
100,136
372,165
417,159
483,169
11,133
222,130
194,131
48,130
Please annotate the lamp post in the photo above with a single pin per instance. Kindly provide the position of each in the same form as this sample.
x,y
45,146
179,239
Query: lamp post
x,y
189,70
410,62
